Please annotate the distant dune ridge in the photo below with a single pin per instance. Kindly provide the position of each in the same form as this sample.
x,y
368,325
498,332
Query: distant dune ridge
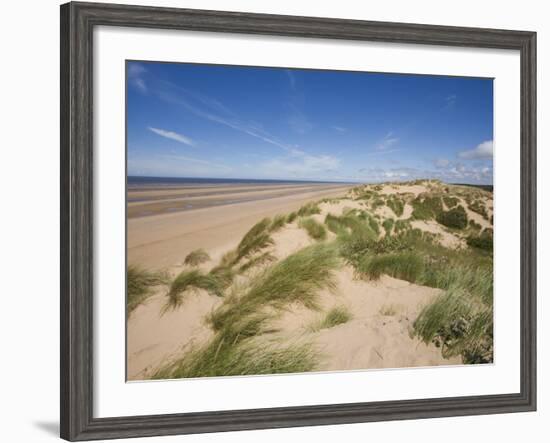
x,y
308,277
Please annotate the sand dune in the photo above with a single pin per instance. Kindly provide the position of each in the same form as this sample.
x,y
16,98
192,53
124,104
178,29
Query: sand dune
x,y
379,332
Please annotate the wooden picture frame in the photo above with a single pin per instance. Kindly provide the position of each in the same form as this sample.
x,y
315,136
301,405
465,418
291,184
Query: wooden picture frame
x,y
77,23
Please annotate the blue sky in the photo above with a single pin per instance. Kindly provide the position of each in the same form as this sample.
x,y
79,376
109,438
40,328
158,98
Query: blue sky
x,y
188,120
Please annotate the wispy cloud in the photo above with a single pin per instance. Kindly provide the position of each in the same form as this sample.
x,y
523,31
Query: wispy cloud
x,y
301,165
441,162
387,142
483,151
135,76
173,136
198,161
450,101
339,128
382,152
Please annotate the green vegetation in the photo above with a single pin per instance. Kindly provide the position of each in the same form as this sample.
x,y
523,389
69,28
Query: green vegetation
x,y
377,203
255,239
291,217
388,225
396,205
403,265
196,257
426,207
483,241
259,260
139,283
450,202
237,348
315,230
455,218
297,278
309,209
278,222
192,281
336,316
478,207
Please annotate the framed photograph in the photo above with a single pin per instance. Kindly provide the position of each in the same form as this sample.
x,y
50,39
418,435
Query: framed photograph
x,y
272,221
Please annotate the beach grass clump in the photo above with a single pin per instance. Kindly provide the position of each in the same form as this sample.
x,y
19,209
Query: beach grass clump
x,y
334,317
254,240
333,224
474,226
402,226
224,274
196,257
377,203
388,225
291,217
388,310
298,278
258,260
455,218
314,229
396,205
426,207
309,209
403,265
478,207
460,325
191,281
138,284
232,354
278,222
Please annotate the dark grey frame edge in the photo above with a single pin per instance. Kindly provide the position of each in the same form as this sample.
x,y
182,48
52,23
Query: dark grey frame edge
x,y
77,22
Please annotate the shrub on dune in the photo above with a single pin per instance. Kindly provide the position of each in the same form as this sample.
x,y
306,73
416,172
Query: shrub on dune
x,y
455,218
196,257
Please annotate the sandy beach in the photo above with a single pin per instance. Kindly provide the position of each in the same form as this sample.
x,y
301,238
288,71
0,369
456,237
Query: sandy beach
x,y
215,218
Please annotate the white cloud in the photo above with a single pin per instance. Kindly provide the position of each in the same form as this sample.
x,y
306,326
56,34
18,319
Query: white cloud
x,y
441,162
135,76
339,129
483,151
387,142
300,164
173,136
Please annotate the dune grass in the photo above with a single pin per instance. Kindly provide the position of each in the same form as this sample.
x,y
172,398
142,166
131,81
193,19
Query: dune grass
x,y
192,280
255,239
240,356
309,209
388,310
297,278
460,325
291,217
336,316
196,257
258,260
388,225
139,282
450,201
314,229
402,265
278,222
396,205
236,348
426,207
478,207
